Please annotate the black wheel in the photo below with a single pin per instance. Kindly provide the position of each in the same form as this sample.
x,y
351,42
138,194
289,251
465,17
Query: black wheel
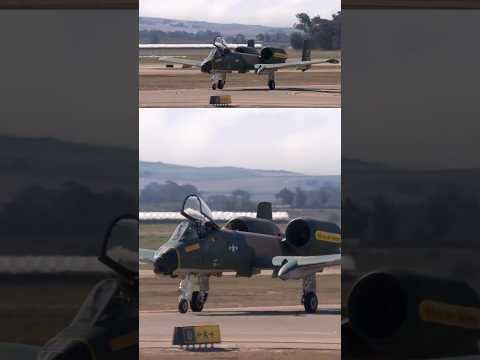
x,y
220,84
183,306
310,302
198,300
271,84
214,86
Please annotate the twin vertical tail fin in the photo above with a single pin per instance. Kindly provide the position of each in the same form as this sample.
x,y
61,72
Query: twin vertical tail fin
x,y
307,50
264,210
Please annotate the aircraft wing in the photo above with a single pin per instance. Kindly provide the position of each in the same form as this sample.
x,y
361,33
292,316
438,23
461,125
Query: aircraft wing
x,y
300,65
146,255
176,60
297,267
12,351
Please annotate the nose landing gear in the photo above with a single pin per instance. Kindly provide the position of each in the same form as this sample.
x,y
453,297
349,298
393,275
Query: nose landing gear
x,y
194,292
218,80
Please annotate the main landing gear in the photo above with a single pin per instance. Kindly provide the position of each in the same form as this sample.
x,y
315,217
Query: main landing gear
x,y
193,293
271,80
309,297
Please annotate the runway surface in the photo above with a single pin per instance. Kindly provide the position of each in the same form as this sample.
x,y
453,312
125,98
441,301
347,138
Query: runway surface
x,y
317,87
279,327
305,96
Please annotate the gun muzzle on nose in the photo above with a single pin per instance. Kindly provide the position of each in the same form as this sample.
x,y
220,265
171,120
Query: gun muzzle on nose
x,y
166,263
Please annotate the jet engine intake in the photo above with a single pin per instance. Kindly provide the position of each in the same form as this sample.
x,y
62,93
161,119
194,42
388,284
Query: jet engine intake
x,y
304,235
410,312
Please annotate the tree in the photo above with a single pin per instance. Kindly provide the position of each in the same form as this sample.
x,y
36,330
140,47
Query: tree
x,y
285,196
296,40
323,32
260,37
300,198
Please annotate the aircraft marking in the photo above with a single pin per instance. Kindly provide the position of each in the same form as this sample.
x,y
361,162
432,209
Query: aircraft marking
x,y
124,341
448,314
327,236
192,247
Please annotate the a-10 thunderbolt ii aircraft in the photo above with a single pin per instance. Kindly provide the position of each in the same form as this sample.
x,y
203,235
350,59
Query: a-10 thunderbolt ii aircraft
x,y
200,248
243,59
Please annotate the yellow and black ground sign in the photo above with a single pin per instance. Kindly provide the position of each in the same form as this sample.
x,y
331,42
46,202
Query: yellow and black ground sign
x,y
221,100
196,335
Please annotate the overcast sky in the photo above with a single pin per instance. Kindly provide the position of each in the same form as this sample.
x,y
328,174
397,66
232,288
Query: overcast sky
x,y
253,12
301,140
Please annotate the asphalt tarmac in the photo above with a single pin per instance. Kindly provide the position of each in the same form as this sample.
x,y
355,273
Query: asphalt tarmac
x,y
260,318
318,87
246,328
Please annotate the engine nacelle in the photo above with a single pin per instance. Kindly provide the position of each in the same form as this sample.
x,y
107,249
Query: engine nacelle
x,y
305,236
270,55
259,226
408,314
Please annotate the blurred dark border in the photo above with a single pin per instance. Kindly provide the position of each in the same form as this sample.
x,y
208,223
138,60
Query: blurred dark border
x,y
410,4
69,4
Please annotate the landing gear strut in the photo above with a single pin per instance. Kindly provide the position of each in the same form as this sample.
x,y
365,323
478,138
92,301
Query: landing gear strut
x,y
271,80
309,298
193,291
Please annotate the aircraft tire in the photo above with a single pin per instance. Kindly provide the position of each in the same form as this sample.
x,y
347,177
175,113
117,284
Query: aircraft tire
x,y
220,84
310,302
183,306
197,302
271,84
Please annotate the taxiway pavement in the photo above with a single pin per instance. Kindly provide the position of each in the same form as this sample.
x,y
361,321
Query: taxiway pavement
x,y
279,327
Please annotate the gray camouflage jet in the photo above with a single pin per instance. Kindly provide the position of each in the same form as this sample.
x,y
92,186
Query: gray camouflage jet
x,y
200,248
223,60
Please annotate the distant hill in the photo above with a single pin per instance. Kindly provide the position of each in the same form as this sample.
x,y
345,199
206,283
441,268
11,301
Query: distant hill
x,y
223,180
151,23
51,162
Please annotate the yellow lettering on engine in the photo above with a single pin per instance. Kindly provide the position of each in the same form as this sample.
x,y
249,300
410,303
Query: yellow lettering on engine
x,y
448,314
327,236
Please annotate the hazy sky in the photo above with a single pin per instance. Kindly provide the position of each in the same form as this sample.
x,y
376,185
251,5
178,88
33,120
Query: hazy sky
x,y
255,12
302,140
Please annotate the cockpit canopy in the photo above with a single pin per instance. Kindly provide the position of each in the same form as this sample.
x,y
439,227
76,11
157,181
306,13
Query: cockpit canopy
x,y
221,45
219,42
195,209
186,232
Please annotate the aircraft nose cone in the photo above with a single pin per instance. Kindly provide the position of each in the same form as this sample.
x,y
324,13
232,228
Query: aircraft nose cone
x,y
167,263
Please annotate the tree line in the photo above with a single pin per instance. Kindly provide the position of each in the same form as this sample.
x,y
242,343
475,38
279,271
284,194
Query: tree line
x,y
169,196
324,197
324,34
